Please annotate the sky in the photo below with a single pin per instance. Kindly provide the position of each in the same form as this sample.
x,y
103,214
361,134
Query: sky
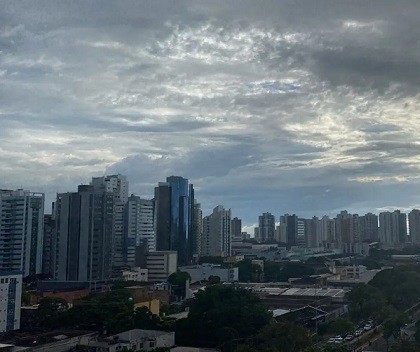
x,y
302,106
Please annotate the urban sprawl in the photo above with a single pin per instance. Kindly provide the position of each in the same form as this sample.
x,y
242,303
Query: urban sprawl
x,y
101,244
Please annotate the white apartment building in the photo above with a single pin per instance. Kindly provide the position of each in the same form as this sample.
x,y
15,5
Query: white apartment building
x,y
21,231
217,238
10,300
139,226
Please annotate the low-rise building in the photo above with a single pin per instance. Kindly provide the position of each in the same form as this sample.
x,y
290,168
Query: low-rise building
x,y
136,340
136,274
203,272
10,300
161,264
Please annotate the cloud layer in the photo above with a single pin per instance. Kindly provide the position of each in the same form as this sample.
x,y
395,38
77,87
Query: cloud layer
x,y
292,106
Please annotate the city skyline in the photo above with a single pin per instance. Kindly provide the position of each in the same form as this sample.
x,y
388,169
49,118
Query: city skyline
x,y
302,107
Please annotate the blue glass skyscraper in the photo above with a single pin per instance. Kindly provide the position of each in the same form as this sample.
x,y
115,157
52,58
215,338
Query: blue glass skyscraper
x,y
174,217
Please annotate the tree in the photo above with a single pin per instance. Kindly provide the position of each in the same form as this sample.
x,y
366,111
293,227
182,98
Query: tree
x,y
340,326
294,269
271,271
214,279
285,337
26,298
392,326
365,301
111,311
225,311
178,281
49,310
248,272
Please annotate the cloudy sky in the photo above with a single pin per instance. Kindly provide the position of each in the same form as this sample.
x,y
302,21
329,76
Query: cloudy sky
x,y
300,106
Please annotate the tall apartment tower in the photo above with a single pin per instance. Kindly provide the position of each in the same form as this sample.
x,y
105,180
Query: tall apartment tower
x,y
369,227
21,231
174,204
197,230
291,225
327,231
217,237
236,228
84,231
139,227
48,244
414,225
312,232
392,227
266,227
118,186
344,227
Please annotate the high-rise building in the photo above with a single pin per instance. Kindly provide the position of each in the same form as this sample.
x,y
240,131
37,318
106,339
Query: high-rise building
x,y
300,238
312,232
174,201
414,225
236,228
291,223
84,231
217,237
385,227
118,186
267,227
393,227
344,227
139,227
197,230
327,231
21,231
369,227
48,244
10,300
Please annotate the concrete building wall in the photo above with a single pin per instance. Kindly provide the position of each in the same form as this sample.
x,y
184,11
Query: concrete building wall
x,y
10,300
203,272
21,231
161,264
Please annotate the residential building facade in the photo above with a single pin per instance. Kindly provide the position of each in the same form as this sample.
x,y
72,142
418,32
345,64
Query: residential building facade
x,y
21,231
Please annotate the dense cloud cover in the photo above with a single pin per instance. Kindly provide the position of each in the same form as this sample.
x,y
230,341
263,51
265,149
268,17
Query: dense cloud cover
x,y
284,106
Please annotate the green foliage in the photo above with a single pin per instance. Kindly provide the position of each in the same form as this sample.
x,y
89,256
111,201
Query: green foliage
x,y
214,279
340,326
371,264
248,272
405,346
401,286
50,309
26,298
169,309
219,314
392,326
271,271
285,337
178,281
295,269
111,311
365,301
